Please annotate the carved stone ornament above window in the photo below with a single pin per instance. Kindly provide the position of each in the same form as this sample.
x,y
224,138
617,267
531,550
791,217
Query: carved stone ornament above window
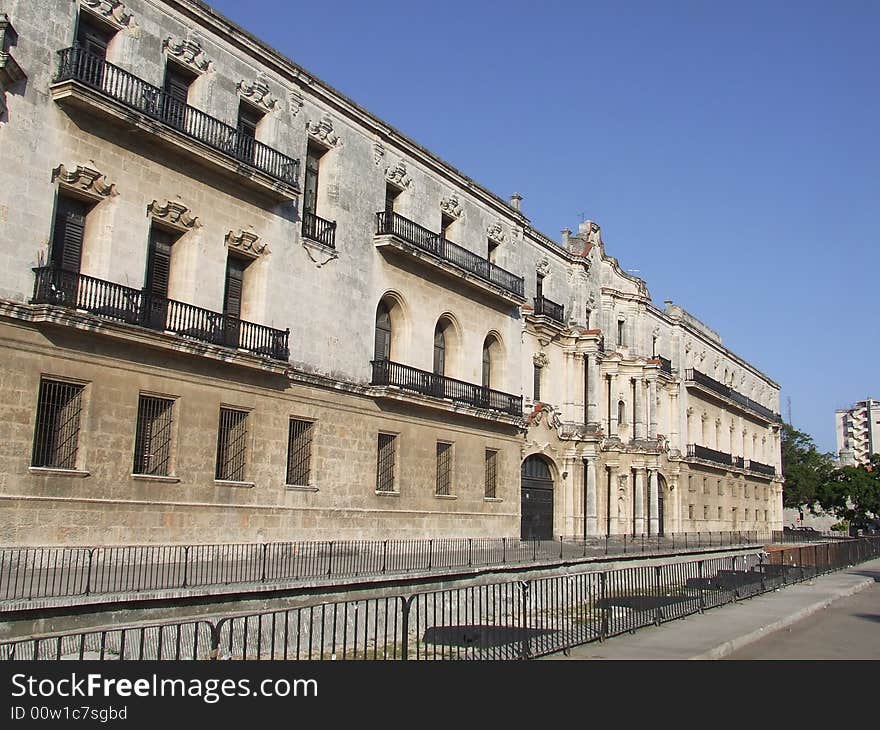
x,y
257,92
187,51
84,179
295,101
496,232
543,267
540,359
451,206
112,10
246,243
323,131
173,213
398,175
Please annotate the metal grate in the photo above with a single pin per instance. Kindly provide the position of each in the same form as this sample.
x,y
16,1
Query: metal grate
x,y
152,442
491,473
299,451
385,463
56,435
232,445
444,468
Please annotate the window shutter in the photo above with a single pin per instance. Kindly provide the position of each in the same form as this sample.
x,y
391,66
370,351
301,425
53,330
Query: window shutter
x,y
383,334
159,265
234,281
67,241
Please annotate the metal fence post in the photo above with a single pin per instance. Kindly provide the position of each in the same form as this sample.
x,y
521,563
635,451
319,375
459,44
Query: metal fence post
x,y
88,572
384,555
700,573
560,547
470,552
404,625
657,611
264,550
524,645
603,625
330,560
504,551
185,565
430,553
801,560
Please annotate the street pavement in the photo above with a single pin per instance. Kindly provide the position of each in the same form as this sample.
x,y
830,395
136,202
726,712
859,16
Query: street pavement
x,y
720,632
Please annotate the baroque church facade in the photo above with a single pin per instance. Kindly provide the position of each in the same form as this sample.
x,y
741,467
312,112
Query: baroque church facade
x,y
236,306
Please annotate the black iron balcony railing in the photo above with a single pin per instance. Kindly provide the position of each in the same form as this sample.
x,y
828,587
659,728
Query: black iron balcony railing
x,y
139,307
549,308
317,229
761,468
386,372
739,461
390,223
704,452
665,365
79,65
696,376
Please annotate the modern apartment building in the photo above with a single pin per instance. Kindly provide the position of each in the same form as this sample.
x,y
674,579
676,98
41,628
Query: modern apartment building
x,y
236,306
858,432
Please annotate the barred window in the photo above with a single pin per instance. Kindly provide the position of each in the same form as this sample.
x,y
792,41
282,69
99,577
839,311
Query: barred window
x,y
56,435
232,445
690,512
386,455
491,473
720,488
705,485
705,511
444,468
299,451
720,513
152,440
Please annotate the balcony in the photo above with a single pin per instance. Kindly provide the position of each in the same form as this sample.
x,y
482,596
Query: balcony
x,y
386,372
707,454
547,308
317,229
695,377
665,365
760,468
73,290
88,81
412,239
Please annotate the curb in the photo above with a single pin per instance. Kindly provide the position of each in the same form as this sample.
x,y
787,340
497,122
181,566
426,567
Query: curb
x,y
728,647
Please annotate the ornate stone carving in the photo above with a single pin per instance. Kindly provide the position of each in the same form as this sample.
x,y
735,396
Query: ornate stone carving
x,y
543,266
378,152
594,235
113,10
85,179
173,213
187,51
540,359
295,101
495,231
323,131
398,175
257,92
246,242
451,206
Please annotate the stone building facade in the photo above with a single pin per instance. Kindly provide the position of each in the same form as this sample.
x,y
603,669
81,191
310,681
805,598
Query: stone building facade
x,y
236,306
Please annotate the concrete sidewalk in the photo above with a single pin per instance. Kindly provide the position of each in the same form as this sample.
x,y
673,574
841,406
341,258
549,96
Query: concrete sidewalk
x,y
721,631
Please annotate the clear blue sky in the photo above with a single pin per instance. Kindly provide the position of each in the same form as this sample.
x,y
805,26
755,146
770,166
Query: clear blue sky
x,y
729,150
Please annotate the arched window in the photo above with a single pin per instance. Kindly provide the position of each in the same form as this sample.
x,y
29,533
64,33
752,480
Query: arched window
x,y
621,412
439,350
383,332
487,363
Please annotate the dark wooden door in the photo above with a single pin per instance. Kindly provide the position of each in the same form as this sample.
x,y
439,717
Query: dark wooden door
x,y
536,521
158,270
232,300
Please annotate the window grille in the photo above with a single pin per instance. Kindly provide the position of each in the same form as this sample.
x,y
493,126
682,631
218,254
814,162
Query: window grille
x,y
299,451
152,442
232,445
444,468
385,463
56,435
491,473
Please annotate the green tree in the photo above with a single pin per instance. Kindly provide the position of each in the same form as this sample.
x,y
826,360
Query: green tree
x,y
806,470
853,492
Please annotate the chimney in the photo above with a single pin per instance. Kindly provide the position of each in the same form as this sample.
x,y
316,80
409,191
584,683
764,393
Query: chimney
x,y
515,201
566,232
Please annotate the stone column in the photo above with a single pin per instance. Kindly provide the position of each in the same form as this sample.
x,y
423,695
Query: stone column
x,y
574,385
653,503
674,419
592,380
590,496
639,409
652,409
639,499
612,404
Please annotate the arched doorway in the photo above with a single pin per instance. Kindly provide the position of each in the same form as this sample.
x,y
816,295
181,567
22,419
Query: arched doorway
x,y
537,499
661,494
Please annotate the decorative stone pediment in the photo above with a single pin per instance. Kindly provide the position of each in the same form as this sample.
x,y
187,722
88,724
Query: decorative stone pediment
x,y
295,101
112,10
495,232
246,243
257,92
323,132
187,51
451,206
540,359
173,213
398,175
84,179
543,267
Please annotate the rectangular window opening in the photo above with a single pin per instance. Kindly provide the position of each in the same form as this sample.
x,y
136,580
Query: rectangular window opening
x,y
56,434
491,484
444,468
299,452
232,445
386,456
153,436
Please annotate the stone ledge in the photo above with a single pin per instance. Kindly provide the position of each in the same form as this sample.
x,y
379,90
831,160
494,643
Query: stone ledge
x,y
230,483
300,488
52,472
155,478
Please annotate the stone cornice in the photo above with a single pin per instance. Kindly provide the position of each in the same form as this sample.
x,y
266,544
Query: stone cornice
x,y
84,179
113,11
246,243
173,213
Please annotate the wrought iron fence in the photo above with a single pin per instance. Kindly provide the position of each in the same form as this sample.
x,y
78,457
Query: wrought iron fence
x,y
704,452
695,376
79,65
386,372
60,287
47,572
390,223
549,308
506,620
317,229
